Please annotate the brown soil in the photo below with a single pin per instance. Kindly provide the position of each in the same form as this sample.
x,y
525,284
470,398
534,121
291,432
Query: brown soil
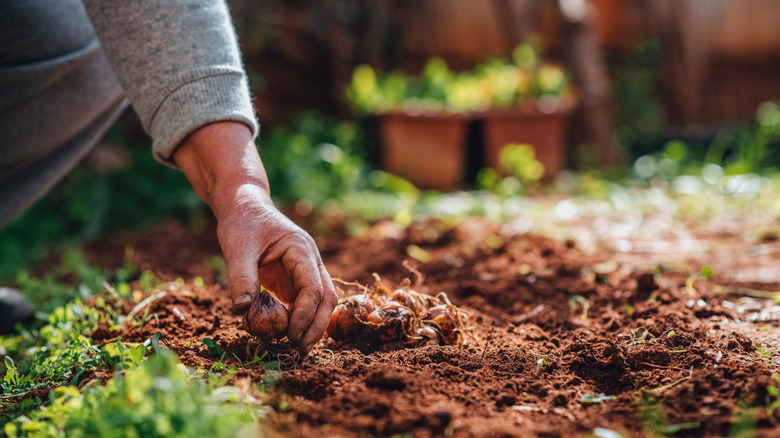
x,y
540,357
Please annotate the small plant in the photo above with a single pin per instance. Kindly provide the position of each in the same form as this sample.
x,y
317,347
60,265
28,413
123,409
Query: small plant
x,y
523,79
576,301
541,365
773,396
313,160
653,419
213,349
638,336
157,399
765,354
519,162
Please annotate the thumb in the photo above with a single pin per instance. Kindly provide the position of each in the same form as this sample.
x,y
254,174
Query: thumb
x,y
244,284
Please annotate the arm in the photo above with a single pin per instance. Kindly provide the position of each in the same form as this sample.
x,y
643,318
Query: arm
x,y
222,163
179,65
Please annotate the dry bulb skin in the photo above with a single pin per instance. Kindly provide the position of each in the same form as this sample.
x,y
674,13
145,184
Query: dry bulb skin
x,y
349,316
404,315
266,318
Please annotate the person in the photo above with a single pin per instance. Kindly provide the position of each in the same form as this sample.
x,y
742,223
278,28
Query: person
x,y
67,68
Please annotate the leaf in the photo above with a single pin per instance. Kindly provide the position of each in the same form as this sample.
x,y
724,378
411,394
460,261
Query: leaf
x,y
75,380
214,350
674,428
156,342
137,354
218,366
601,398
639,333
11,430
418,253
11,373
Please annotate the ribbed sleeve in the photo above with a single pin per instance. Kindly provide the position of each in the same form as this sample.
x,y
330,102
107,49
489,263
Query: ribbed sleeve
x,y
178,63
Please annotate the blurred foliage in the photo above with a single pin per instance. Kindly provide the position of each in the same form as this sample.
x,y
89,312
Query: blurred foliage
x,y
523,169
71,278
57,347
43,366
155,399
494,83
314,160
90,203
735,150
639,115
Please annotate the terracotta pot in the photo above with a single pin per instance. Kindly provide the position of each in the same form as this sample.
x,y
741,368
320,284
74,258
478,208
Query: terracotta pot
x,y
545,132
428,149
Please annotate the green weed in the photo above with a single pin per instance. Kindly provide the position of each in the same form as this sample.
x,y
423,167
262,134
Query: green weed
x,y
157,399
653,419
773,396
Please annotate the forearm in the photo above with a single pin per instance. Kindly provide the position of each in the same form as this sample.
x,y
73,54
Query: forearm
x,y
218,159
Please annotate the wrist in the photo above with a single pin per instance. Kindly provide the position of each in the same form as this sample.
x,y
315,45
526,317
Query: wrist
x,y
218,160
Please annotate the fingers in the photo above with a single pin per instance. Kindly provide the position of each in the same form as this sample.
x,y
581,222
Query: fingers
x,y
322,316
306,279
244,285
291,267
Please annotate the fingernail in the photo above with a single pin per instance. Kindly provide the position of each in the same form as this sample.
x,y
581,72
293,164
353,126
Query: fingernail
x,y
243,299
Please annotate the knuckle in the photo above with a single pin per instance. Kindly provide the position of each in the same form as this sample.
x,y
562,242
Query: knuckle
x,y
331,299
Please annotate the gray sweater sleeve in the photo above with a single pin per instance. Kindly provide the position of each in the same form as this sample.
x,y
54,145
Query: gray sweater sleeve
x,y
178,63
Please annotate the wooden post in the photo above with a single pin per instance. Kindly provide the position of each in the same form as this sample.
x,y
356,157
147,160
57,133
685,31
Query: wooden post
x,y
584,59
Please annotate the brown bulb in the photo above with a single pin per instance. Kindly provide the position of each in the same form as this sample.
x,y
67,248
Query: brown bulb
x,y
349,317
392,322
409,299
427,335
266,318
445,318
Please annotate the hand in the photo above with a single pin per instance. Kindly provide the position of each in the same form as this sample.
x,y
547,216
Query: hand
x,y
260,244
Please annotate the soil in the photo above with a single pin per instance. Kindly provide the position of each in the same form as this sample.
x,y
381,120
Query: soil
x,y
568,343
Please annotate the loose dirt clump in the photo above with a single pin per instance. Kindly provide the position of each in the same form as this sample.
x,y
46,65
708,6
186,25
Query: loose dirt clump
x,y
564,346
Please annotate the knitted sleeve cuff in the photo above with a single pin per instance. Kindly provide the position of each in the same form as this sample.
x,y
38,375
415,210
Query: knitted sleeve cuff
x,y
194,99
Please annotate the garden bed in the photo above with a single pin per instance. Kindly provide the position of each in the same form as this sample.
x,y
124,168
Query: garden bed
x,y
568,345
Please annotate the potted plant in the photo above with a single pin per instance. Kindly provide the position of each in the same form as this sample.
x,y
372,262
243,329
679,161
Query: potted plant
x,y
423,119
529,104
422,124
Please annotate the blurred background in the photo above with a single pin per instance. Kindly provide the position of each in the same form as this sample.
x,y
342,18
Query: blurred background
x,y
507,97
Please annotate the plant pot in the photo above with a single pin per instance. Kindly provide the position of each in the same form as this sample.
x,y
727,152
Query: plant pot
x,y
545,132
426,149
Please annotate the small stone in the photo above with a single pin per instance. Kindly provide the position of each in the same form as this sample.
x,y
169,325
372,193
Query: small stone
x,y
14,308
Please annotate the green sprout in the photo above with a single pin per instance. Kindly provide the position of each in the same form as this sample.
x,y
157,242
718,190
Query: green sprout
x,y
579,300
601,398
213,349
541,365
